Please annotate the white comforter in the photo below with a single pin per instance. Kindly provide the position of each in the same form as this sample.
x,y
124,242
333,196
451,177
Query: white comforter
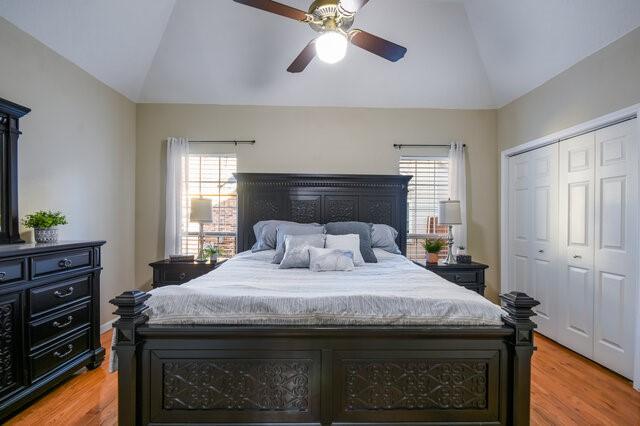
x,y
249,289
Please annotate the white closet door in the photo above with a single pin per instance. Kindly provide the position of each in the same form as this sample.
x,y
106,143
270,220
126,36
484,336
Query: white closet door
x,y
615,246
519,223
576,207
544,237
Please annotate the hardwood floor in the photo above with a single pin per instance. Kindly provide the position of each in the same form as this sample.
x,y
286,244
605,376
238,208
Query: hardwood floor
x,y
567,389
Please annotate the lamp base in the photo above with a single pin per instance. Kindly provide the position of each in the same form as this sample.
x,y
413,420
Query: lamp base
x,y
450,260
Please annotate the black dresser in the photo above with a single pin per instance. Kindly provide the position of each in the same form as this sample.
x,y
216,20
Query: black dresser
x,y
49,317
469,275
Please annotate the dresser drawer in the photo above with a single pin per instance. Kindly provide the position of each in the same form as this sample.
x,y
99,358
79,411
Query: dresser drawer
x,y
44,298
49,359
13,270
179,276
61,262
460,277
48,329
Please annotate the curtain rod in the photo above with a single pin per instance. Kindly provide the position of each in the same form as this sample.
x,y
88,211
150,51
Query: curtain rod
x,y
236,143
400,146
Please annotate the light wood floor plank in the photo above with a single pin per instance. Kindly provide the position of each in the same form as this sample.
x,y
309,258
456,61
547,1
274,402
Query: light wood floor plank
x,y
567,389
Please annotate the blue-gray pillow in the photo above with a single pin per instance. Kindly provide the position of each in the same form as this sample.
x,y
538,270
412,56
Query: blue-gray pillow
x,y
293,229
296,253
265,232
384,237
360,228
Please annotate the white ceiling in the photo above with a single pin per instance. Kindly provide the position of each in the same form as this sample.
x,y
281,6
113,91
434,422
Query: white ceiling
x,y
461,53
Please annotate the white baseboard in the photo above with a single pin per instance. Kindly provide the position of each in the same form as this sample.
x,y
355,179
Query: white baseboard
x,y
107,326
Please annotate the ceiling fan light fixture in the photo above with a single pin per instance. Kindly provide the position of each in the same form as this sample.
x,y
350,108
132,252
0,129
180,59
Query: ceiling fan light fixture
x,y
331,47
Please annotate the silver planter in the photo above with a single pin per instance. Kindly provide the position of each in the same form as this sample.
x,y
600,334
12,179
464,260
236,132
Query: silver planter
x,y
45,235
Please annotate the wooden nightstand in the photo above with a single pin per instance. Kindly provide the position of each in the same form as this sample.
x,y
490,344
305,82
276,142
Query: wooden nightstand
x,y
166,272
469,275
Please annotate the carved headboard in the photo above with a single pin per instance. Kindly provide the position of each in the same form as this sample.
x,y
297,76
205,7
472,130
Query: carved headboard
x,y
322,199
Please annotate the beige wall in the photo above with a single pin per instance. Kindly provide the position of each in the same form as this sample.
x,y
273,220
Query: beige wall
x,y
316,140
604,82
76,154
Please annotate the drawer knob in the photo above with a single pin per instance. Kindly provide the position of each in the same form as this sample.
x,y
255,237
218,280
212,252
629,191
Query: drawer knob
x,y
62,294
577,256
457,277
182,275
65,263
57,324
2,275
59,354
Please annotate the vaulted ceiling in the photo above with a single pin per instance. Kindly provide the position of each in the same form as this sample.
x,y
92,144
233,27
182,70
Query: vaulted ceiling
x,y
461,53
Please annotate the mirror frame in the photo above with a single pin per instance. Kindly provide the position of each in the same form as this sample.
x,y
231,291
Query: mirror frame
x,y
10,114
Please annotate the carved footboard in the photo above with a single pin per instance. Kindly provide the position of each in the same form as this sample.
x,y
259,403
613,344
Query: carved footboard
x,y
323,375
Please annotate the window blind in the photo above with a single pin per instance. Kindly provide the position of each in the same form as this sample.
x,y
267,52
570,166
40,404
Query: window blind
x,y
211,176
429,185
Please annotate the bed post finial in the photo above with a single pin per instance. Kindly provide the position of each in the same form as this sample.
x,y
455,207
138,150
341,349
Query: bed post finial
x,y
519,312
130,306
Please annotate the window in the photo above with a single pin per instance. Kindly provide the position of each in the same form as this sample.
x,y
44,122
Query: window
x,y
429,185
211,176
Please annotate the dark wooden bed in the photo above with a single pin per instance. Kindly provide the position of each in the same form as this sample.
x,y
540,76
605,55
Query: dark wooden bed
x,y
177,374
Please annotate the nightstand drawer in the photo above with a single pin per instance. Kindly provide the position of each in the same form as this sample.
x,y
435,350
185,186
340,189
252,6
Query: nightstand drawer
x,y
60,262
179,275
460,277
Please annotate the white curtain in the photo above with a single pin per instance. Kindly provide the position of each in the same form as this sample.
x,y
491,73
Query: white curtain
x,y
177,168
458,190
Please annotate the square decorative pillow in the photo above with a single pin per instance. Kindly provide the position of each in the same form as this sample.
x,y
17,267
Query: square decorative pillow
x,y
296,253
384,237
360,228
265,232
293,229
324,259
349,242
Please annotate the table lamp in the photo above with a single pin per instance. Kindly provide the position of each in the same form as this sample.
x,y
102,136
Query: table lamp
x,y
201,212
449,214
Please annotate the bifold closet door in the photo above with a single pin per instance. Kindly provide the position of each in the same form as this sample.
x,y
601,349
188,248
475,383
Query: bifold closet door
x,y
616,179
533,227
577,208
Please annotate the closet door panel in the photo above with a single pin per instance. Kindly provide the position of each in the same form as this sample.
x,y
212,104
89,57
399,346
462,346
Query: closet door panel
x,y
615,246
576,207
543,247
519,223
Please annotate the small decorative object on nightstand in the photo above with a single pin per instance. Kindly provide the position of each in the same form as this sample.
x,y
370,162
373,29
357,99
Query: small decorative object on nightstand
x,y
449,214
201,213
469,275
166,272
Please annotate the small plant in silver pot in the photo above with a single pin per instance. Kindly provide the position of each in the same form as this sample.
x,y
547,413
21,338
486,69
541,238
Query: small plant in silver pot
x,y
44,224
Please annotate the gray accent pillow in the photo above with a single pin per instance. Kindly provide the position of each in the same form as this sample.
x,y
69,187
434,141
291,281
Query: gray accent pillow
x,y
360,228
293,229
265,232
322,259
384,237
296,253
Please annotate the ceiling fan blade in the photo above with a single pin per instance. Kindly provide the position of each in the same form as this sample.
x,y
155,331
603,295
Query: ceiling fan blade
x,y
352,6
277,8
379,46
304,58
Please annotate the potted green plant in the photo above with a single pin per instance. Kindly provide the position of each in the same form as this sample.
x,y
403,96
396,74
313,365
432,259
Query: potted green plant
x,y
433,246
211,252
44,224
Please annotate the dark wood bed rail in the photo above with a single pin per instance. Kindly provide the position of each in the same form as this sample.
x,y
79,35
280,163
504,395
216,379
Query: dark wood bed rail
x,y
147,388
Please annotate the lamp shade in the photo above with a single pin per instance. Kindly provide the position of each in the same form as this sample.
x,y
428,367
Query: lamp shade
x,y
201,210
449,212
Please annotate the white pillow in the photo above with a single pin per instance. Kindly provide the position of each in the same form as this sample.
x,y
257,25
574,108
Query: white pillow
x,y
324,259
349,242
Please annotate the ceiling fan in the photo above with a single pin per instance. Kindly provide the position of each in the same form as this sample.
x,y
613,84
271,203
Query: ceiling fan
x,y
333,20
